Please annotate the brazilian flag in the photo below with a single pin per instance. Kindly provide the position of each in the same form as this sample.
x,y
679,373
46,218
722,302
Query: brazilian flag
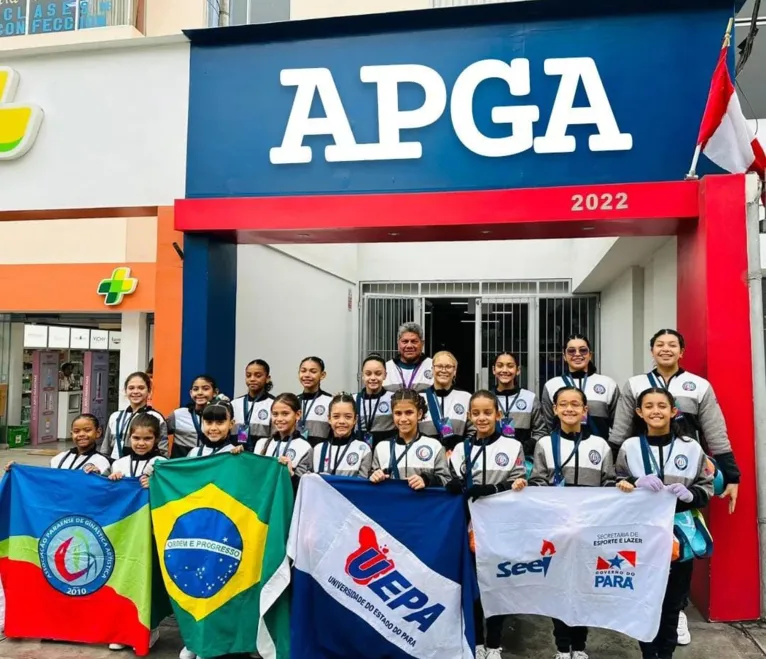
x,y
221,525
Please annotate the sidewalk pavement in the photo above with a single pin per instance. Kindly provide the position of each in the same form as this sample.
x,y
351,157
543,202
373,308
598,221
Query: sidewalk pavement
x,y
525,637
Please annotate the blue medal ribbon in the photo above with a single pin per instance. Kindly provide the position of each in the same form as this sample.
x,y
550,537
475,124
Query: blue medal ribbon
x,y
369,415
324,458
196,420
120,429
558,466
470,463
650,462
393,461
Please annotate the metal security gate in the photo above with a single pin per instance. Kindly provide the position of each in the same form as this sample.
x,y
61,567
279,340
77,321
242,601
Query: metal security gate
x,y
531,319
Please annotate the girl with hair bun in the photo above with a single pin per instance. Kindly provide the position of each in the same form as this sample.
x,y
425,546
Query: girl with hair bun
x,y
571,456
522,416
252,412
373,403
185,423
286,443
658,457
313,424
341,454
411,456
116,442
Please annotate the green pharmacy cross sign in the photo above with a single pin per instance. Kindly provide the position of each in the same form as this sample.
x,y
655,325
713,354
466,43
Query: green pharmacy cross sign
x,y
117,286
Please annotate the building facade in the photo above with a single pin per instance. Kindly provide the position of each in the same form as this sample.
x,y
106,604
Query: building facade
x,y
275,198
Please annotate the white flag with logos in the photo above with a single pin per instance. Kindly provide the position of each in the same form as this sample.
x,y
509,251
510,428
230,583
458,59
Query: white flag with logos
x,y
589,556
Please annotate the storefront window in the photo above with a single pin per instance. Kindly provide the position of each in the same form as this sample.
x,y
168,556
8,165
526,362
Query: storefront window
x,y
20,17
5,358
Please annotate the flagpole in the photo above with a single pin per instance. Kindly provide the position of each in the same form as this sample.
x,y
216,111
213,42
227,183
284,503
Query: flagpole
x,y
695,158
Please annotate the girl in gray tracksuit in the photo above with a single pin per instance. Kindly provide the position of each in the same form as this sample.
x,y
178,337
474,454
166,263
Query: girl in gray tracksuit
x,y
572,456
699,415
342,454
411,456
185,423
659,457
483,465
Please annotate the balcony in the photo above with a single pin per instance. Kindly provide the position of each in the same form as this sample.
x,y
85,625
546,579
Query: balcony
x,y
29,23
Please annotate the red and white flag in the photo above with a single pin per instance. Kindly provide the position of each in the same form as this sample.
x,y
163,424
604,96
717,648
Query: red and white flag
x,y
725,137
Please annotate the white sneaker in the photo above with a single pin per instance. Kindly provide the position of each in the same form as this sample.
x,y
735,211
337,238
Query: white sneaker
x,y
579,654
684,636
563,655
154,637
186,653
494,653
481,652
117,646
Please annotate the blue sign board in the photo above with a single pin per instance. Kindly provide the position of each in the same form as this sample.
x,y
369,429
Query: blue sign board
x,y
508,105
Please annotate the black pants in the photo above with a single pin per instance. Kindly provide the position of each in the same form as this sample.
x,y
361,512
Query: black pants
x,y
569,639
676,595
494,635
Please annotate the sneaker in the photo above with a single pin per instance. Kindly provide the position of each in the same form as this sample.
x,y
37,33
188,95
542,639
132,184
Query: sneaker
x,y
563,655
117,646
481,652
186,653
494,653
684,637
579,654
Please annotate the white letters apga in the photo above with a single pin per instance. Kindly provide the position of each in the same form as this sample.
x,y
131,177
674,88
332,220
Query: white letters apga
x,y
391,120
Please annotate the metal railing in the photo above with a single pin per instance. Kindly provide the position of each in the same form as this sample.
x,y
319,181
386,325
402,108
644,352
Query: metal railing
x,y
27,17
532,318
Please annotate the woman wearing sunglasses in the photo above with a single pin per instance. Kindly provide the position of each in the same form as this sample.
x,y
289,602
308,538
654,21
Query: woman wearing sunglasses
x,y
580,372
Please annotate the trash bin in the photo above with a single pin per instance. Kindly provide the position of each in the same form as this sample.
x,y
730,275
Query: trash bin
x,y
17,436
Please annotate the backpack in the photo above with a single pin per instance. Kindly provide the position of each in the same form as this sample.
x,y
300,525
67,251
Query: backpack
x,y
691,536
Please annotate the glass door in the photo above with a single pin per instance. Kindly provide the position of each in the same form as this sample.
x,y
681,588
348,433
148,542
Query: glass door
x,y
505,325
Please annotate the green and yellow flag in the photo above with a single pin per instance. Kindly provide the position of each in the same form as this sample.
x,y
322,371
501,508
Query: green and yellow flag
x,y
221,525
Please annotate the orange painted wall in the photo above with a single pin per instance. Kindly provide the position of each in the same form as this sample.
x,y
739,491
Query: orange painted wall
x,y
71,288
168,315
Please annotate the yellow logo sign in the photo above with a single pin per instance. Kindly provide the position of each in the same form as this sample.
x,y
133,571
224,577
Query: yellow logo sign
x,y
19,122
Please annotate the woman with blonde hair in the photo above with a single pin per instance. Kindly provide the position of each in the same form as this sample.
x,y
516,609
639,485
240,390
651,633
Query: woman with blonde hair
x,y
447,416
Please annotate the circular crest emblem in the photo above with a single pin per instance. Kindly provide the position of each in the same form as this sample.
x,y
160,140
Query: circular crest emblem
x,y
352,458
502,459
594,457
75,555
521,405
319,409
459,409
599,389
290,453
263,414
463,469
384,408
424,453
688,386
681,462
428,374
203,552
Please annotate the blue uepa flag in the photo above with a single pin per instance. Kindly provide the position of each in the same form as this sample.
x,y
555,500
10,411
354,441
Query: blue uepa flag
x,y
381,571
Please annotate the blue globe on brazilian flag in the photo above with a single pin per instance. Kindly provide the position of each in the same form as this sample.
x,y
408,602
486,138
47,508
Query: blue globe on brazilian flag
x,y
221,525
